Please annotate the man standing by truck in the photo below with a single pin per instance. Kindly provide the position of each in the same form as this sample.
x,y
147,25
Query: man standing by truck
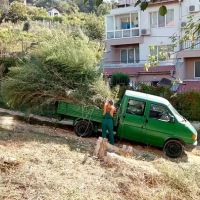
x,y
107,123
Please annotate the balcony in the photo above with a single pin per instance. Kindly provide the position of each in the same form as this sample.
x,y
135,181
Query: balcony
x,y
122,26
127,3
189,49
122,33
121,65
188,45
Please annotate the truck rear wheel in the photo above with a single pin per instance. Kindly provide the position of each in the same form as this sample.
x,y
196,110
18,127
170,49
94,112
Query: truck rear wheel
x,y
173,148
83,128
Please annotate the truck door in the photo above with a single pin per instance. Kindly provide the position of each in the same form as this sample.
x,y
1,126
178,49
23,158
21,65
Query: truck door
x,y
132,120
158,125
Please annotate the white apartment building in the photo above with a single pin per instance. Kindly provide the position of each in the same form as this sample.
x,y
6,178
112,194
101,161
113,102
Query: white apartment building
x,y
130,32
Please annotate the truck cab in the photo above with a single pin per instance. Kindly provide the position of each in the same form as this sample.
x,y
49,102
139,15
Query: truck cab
x,y
154,121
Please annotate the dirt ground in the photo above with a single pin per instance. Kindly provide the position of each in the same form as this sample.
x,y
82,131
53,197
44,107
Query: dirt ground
x,y
53,163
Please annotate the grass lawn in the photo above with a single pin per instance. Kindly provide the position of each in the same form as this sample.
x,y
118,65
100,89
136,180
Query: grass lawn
x,y
52,167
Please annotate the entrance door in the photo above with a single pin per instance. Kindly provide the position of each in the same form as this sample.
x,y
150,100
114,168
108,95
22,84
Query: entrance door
x,y
132,121
158,125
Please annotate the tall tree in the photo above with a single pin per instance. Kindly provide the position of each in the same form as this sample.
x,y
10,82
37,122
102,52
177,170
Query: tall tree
x,y
63,66
18,11
47,3
4,7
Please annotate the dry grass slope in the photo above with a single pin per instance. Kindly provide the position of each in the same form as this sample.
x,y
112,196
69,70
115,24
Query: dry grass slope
x,y
51,167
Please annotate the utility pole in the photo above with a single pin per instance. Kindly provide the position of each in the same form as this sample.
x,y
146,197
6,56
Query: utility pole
x,y
25,2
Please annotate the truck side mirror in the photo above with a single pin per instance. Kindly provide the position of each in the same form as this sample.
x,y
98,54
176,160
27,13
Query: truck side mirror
x,y
171,119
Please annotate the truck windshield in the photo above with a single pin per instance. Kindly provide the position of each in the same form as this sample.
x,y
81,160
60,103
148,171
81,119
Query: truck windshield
x,y
175,112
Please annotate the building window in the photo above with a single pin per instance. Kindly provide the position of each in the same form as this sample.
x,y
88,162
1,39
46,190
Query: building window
x,y
154,83
197,69
109,23
156,20
163,52
129,55
122,26
127,21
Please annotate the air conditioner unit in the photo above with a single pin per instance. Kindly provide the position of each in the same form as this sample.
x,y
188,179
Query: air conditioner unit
x,y
145,32
193,8
183,24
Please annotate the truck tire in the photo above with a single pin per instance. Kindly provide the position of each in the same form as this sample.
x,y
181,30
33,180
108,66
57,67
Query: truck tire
x,y
83,128
173,148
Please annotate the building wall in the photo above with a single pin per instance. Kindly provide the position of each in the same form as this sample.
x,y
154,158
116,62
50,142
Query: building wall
x,y
113,56
189,68
180,72
186,71
159,36
53,12
149,78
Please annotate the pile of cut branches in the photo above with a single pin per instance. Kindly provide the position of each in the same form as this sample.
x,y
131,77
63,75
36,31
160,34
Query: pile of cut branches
x,y
62,67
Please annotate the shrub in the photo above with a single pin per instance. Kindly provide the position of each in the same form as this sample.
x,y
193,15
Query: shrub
x,y
188,104
63,67
161,90
58,19
119,78
6,63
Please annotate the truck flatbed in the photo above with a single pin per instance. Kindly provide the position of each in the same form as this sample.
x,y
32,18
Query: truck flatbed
x,y
82,112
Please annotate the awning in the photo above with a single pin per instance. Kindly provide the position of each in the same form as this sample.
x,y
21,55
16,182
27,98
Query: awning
x,y
135,71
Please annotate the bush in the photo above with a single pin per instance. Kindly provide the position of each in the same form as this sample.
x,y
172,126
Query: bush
x,y
188,104
119,78
63,67
6,63
161,90
58,19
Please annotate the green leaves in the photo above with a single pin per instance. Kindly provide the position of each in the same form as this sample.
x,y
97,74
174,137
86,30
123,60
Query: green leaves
x,y
98,2
152,61
144,5
163,10
137,3
119,78
63,66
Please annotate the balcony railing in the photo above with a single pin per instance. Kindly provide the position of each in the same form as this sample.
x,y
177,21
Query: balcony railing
x,y
125,33
127,3
191,45
118,64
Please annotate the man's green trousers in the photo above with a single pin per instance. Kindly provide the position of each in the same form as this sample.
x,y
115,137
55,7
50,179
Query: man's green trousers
x,y
107,124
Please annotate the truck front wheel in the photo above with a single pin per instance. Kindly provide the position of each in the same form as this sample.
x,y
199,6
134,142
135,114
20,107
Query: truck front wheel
x,y
173,148
83,128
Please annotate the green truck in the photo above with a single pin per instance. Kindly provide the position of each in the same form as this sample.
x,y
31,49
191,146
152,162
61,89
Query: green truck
x,y
142,118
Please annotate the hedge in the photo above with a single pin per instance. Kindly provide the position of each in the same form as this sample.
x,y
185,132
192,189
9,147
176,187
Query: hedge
x,y
187,104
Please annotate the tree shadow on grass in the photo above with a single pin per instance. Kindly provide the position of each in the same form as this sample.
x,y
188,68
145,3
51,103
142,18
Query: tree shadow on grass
x,y
74,144
150,153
